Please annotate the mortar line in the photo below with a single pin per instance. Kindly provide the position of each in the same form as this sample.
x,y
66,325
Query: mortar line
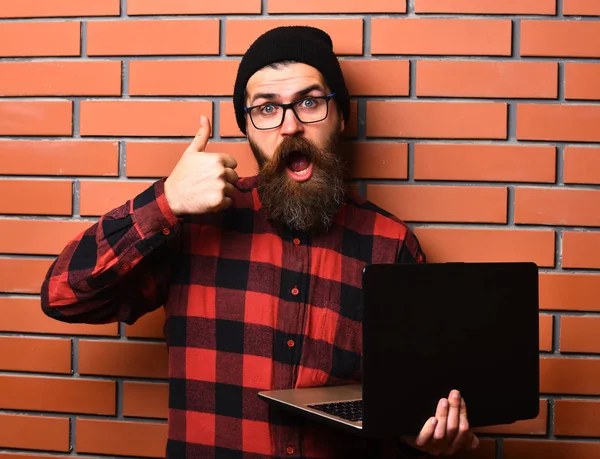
x,y
366,37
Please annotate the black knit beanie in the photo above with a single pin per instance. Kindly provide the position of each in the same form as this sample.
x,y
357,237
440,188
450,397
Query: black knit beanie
x,y
308,45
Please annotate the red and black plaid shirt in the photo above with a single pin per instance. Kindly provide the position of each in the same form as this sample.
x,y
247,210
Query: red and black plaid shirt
x,y
249,304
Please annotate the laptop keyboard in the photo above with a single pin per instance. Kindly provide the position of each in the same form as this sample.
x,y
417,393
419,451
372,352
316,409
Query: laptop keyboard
x,y
351,411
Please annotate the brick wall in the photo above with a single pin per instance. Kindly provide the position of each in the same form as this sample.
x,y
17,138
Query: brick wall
x,y
476,121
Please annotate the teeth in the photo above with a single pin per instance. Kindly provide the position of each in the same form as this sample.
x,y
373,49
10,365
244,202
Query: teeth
x,y
304,172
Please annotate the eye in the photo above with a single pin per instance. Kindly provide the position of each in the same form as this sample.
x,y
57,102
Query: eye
x,y
308,103
267,109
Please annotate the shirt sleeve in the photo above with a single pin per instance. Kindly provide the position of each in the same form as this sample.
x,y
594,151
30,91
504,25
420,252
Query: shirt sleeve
x,y
410,250
119,268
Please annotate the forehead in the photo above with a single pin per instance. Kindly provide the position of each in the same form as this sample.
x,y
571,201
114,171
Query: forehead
x,y
284,80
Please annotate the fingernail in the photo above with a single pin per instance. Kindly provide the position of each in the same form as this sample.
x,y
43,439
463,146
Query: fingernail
x,y
433,420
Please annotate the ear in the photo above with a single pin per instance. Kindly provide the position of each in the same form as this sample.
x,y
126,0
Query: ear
x,y
342,123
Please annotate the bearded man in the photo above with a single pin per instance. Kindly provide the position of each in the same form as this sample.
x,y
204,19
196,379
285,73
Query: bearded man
x,y
259,277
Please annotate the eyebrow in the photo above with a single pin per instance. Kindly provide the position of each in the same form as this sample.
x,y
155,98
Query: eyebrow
x,y
301,93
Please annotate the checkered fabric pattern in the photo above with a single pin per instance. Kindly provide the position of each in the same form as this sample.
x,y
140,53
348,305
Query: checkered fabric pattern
x,y
250,306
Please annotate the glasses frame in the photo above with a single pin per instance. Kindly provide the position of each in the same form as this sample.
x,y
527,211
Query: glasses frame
x,y
290,106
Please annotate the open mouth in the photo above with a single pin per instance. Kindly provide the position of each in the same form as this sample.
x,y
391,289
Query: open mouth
x,y
299,167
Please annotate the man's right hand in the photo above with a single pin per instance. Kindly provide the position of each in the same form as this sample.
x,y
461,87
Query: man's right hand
x,y
201,182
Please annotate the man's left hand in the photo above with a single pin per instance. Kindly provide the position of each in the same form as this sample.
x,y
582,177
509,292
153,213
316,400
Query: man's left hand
x,y
448,431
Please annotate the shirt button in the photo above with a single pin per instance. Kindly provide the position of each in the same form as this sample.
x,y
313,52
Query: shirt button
x,y
296,241
125,266
295,291
166,231
289,450
290,343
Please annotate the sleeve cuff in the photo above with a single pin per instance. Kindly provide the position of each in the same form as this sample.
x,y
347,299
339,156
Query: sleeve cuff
x,y
151,212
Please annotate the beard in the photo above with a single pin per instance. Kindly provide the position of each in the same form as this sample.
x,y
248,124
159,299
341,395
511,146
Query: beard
x,y
308,206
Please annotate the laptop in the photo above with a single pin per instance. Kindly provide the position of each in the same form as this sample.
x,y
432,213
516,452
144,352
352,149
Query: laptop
x,y
428,329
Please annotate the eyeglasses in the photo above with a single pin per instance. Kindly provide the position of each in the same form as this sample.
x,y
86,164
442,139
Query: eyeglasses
x,y
308,110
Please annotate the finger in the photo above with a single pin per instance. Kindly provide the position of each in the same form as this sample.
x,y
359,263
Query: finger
x,y
229,161
426,432
229,190
201,138
225,203
230,176
453,415
442,416
463,438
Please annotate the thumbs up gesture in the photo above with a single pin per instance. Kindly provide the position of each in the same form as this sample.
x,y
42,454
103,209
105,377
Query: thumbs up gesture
x,y
201,182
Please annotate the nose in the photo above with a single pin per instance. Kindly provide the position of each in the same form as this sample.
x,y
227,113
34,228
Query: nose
x,y
291,125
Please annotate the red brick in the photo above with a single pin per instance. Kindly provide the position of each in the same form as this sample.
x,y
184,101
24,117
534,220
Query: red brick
x,y
581,7
135,7
157,159
480,162
570,376
49,197
577,418
121,358
346,34
47,355
60,8
25,315
98,197
148,400
148,326
546,333
476,120
487,79
143,118
557,206
376,160
560,38
580,81
336,6
38,39
581,250
60,78
580,334
22,275
58,157
536,426
581,165
486,6
26,117
571,292
558,122
177,78
376,78
64,395
153,37
19,455
38,237
470,37
442,203
483,245
526,449
34,432
121,438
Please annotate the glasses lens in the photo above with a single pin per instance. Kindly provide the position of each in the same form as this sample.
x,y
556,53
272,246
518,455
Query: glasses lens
x,y
311,109
266,116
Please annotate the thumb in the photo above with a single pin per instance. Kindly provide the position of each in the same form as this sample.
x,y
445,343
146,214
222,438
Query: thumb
x,y
201,138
